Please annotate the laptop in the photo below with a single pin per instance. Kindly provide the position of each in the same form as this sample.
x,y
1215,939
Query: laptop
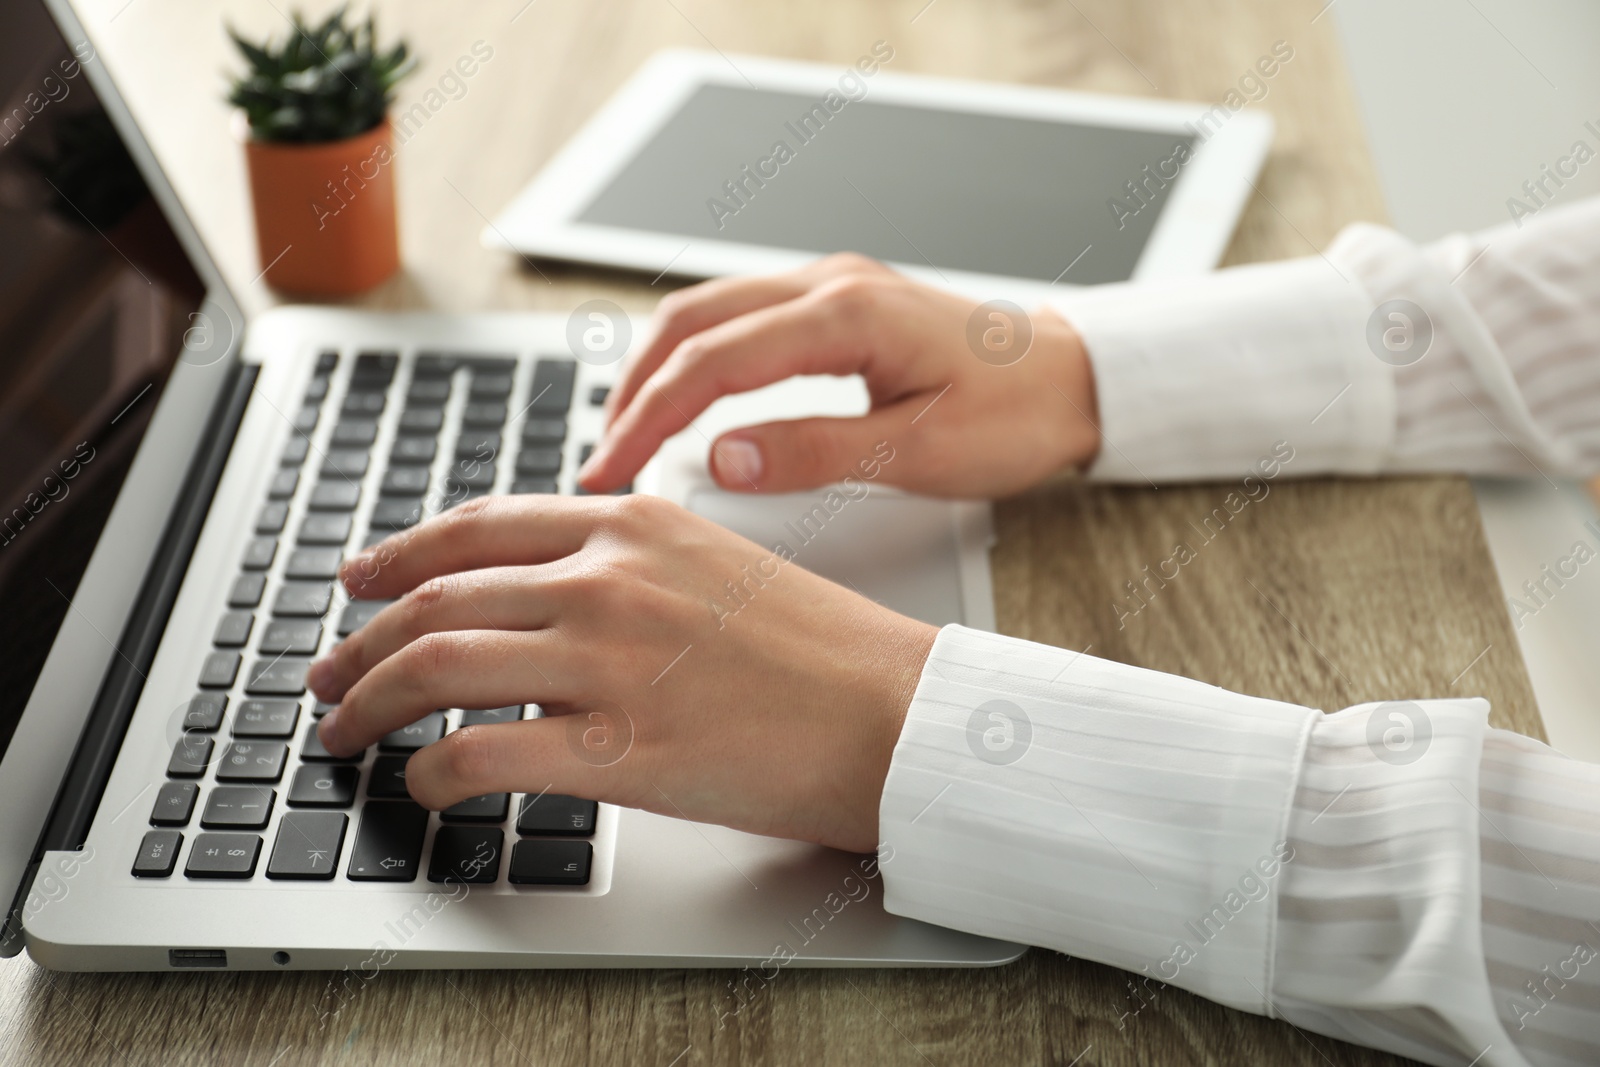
x,y
180,483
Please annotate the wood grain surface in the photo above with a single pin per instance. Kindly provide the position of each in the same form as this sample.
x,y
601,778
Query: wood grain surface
x,y
1325,592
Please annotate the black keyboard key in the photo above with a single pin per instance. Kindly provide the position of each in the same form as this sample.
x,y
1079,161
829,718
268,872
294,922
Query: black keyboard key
x,y
491,386
295,452
413,450
307,600
308,845
355,433
266,718
467,854
322,708
205,711
619,491
283,484
485,716
544,430
554,815
305,420
409,738
190,756
317,389
429,391
313,563
332,495
434,365
550,863
346,463
272,517
326,528
223,856
534,485
484,414
324,787
314,751
158,854
488,363
327,360
281,676
258,555
297,636
597,396
405,481
469,474
396,513
252,761
246,590
388,777
551,392
238,807
422,420
233,629
539,462
219,670
491,807
375,366
584,453
478,444
363,404
358,613
388,844
174,804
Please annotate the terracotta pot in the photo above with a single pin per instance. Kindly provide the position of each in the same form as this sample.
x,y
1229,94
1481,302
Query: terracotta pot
x,y
325,213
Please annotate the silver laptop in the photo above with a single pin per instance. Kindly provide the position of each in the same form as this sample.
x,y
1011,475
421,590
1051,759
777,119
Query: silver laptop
x,y
179,485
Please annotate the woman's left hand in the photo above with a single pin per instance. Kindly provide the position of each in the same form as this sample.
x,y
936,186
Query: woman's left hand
x,y
681,668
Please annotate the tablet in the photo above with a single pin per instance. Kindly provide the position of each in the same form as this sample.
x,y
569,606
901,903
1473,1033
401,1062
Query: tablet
x,y
707,164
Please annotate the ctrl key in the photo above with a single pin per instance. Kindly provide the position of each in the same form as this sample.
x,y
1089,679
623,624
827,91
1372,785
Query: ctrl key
x,y
223,856
158,854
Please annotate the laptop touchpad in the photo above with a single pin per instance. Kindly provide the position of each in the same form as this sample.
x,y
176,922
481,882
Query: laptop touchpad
x,y
903,552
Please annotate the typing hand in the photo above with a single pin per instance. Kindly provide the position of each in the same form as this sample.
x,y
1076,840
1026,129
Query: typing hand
x,y
682,669
961,425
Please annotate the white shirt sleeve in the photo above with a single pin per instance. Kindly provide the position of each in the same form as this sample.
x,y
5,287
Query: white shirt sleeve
x,y
1477,354
1398,875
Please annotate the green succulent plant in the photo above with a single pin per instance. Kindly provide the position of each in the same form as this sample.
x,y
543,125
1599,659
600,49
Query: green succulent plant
x,y
323,83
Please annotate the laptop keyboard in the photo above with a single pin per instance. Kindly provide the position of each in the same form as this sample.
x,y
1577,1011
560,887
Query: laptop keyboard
x,y
248,748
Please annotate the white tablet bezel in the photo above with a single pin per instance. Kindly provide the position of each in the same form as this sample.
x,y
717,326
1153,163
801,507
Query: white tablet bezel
x,y
1189,237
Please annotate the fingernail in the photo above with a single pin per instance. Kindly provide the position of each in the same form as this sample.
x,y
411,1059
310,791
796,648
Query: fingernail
x,y
328,728
320,676
736,461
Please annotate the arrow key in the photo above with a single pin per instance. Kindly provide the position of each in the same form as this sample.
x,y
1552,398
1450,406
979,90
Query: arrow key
x,y
308,844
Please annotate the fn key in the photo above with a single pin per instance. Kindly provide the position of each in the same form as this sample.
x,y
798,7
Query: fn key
x,y
388,843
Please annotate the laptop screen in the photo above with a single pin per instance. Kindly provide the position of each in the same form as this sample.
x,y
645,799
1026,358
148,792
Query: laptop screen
x,y
95,296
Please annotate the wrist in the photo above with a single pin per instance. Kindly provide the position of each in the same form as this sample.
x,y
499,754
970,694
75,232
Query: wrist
x,y
1071,381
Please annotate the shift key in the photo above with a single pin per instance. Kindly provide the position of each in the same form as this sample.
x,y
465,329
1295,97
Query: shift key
x,y
388,844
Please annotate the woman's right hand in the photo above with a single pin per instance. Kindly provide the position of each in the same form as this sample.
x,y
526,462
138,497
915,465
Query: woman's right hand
x,y
976,401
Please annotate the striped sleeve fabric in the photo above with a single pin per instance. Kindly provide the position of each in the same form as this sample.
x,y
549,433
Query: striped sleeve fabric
x,y
1398,875
1478,354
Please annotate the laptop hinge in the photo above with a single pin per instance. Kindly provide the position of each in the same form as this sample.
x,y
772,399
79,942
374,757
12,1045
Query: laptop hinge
x,y
107,722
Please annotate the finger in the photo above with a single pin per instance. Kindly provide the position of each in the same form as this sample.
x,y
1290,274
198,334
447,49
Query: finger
x,y
501,598
781,457
464,669
486,532
531,756
687,312
820,333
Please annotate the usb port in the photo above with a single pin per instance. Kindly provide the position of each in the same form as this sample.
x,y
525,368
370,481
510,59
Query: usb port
x,y
197,957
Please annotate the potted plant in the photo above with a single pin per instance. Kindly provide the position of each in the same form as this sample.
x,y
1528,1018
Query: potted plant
x,y
320,155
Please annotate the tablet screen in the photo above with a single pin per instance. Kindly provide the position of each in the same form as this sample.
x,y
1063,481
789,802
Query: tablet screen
x,y
956,190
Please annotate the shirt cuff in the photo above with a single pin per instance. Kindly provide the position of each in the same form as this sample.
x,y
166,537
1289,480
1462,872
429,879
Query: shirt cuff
x,y
1109,812
1208,377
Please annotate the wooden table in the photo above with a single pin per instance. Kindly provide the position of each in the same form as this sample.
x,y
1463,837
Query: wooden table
x,y
1326,593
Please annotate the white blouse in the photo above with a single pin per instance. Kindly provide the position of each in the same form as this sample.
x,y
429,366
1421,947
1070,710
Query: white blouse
x,y
1399,875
